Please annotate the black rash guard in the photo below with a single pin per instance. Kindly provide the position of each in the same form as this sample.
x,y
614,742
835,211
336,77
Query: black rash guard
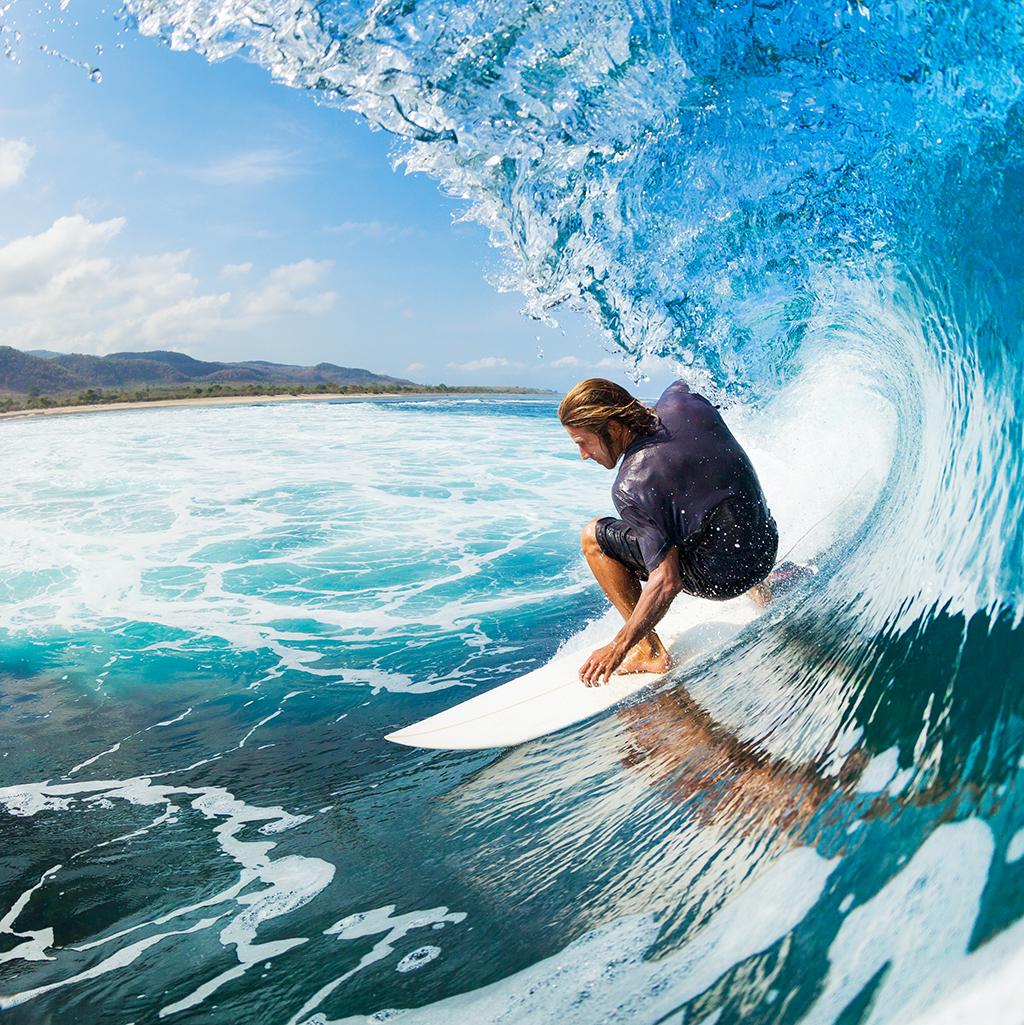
x,y
670,481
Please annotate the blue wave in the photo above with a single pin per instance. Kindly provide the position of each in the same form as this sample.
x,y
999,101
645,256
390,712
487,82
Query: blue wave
x,y
817,212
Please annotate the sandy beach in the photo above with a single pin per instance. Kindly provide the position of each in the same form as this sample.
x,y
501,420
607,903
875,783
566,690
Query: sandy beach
x,y
224,400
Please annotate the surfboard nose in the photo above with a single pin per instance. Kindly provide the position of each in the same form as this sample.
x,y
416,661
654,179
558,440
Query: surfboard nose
x,y
402,737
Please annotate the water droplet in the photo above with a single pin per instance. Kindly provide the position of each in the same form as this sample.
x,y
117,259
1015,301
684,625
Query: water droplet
x,y
99,49
96,76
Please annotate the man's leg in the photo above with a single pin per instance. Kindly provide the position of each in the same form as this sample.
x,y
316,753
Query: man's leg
x,y
622,586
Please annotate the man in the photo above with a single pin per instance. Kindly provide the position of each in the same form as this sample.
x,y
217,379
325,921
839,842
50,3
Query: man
x,y
692,516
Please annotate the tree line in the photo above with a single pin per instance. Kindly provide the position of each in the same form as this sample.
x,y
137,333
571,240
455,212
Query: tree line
x,y
111,396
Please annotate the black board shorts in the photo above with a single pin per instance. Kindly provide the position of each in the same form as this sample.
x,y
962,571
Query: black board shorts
x,y
734,550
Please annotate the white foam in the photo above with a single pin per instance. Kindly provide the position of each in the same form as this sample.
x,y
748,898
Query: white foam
x,y
879,772
37,941
918,927
171,722
986,988
165,540
603,976
224,895
122,959
291,882
26,803
263,721
371,923
417,958
94,758
286,883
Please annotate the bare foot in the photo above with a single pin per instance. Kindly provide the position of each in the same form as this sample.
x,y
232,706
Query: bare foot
x,y
644,662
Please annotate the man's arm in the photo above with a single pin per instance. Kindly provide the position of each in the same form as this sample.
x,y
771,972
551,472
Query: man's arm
x,y
662,587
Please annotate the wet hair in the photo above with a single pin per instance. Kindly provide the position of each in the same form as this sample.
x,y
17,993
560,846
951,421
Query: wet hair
x,y
592,403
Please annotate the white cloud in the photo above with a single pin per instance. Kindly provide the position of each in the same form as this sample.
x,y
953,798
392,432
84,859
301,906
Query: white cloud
x,y
257,167
370,229
414,368
15,155
303,274
62,289
188,319
236,270
647,364
484,363
568,361
34,262
278,293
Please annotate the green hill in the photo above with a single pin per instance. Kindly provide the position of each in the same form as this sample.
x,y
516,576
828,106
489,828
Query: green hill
x,y
22,373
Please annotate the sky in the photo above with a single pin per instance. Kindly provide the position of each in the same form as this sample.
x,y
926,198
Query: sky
x,y
153,200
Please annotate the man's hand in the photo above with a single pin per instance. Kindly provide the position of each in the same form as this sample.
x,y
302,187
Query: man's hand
x,y
662,587
601,664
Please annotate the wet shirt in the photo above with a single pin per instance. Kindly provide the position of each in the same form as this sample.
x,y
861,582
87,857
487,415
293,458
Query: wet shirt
x,y
670,480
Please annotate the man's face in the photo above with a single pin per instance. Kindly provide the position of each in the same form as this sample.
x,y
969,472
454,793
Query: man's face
x,y
593,446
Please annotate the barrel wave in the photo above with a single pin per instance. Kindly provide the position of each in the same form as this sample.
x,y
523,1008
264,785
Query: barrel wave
x,y
816,211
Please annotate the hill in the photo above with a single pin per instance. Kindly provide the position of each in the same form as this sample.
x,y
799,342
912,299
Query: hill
x,y
22,373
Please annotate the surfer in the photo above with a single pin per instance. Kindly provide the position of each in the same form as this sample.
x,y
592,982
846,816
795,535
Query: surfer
x,y
691,514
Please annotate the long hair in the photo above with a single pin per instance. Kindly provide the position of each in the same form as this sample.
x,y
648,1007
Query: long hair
x,y
592,403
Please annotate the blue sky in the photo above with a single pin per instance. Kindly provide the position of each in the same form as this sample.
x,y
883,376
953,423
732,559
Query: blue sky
x,y
200,207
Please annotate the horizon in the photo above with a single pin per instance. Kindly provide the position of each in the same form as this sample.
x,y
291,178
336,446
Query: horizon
x,y
43,353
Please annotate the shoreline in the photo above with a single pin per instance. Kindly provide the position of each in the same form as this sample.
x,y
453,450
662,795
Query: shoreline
x,y
234,400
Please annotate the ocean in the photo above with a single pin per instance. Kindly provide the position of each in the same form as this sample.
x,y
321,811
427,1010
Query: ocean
x,y
210,617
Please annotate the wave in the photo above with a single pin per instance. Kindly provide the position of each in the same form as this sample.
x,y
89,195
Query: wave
x,y
814,211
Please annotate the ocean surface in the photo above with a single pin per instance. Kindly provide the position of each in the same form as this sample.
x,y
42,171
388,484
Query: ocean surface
x,y
210,617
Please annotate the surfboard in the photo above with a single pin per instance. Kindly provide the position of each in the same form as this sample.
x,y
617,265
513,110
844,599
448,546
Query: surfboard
x,y
552,697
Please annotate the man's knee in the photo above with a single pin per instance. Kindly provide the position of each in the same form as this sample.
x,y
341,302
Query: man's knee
x,y
589,539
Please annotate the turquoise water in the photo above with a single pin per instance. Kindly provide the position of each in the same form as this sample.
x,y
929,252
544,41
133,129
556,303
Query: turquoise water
x,y
211,617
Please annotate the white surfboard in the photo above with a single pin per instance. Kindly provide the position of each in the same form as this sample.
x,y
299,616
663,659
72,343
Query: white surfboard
x,y
553,697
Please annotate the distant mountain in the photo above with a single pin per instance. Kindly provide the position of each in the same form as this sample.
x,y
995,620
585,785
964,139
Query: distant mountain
x,y
178,360
111,372
34,372
20,372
